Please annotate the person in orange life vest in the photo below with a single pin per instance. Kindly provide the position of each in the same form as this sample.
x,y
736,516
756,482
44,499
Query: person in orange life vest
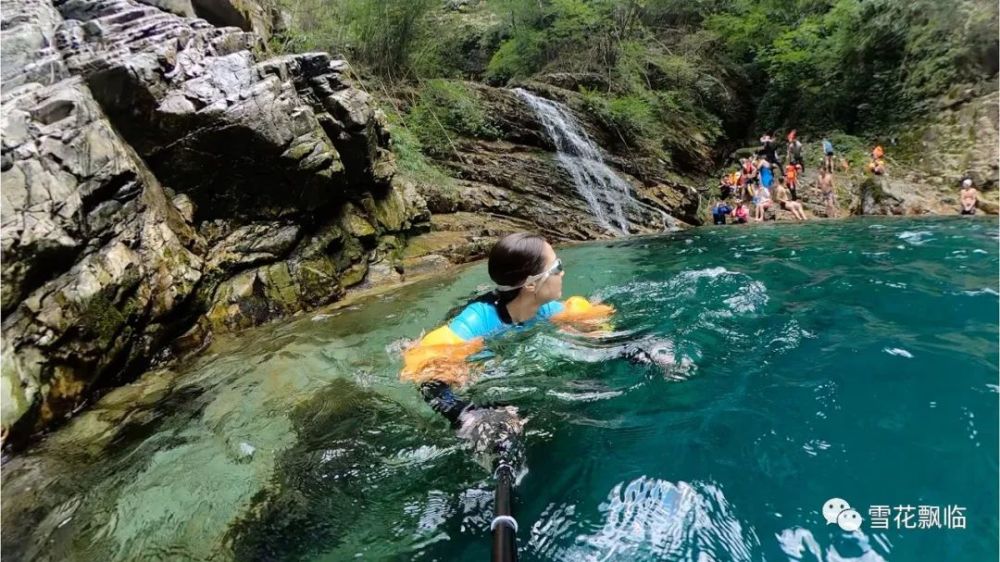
x,y
877,165
792,180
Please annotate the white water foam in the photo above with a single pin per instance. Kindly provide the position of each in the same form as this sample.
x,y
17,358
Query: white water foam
x,y
898,352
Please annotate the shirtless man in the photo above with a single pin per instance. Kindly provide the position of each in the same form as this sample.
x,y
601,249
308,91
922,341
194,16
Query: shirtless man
x,y
968,197
781,196
829,193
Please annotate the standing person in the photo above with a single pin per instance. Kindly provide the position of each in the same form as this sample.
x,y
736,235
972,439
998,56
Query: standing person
x,y
719,212
781,196
968,197
766,173
740,213
769,149
795,152
828,155
829,193
792,177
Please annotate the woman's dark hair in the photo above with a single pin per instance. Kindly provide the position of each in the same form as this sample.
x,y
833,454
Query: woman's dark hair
x,y
512,260
516,257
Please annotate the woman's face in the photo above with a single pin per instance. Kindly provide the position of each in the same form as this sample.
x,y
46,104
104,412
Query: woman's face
x,y
549,288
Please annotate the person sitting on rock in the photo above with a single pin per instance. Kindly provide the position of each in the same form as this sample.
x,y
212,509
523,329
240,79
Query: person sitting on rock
x,y
968,197
877,165
761,201
725,187
719,212
740,213
781,196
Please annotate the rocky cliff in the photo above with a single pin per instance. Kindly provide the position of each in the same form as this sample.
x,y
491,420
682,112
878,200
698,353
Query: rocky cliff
x,y
161,179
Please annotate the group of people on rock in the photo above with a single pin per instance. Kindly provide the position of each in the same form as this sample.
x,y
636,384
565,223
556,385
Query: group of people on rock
x,y
761,181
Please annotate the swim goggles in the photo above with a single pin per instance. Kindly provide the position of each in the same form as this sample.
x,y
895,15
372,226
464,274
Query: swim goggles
x,y
556,269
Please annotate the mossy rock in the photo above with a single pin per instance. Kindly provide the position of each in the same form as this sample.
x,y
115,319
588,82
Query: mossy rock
x,y
354,274
355,224
318,281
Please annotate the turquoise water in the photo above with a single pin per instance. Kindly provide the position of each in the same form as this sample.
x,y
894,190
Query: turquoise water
x,y
851,359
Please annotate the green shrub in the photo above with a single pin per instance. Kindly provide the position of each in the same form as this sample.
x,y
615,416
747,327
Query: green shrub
x,y
410,158
445,110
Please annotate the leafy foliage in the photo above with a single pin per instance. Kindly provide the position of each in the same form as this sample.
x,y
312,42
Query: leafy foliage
x,y
675,78
446,109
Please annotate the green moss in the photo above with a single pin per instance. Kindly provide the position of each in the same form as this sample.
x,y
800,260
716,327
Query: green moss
x,y
102,318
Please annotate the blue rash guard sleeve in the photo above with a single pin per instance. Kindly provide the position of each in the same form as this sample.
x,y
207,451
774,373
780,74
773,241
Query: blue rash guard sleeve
x,y
549,309
477,320
481,320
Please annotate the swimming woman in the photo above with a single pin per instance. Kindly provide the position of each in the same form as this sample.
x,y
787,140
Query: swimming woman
x,y
528,277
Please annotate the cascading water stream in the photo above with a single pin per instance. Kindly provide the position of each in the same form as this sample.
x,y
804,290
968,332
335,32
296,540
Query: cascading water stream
x,y
607,194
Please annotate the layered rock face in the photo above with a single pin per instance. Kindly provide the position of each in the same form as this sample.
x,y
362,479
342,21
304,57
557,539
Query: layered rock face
x,y
957,139
160,180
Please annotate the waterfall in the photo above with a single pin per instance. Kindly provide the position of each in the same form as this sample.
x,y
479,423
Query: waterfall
x,y
606,193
